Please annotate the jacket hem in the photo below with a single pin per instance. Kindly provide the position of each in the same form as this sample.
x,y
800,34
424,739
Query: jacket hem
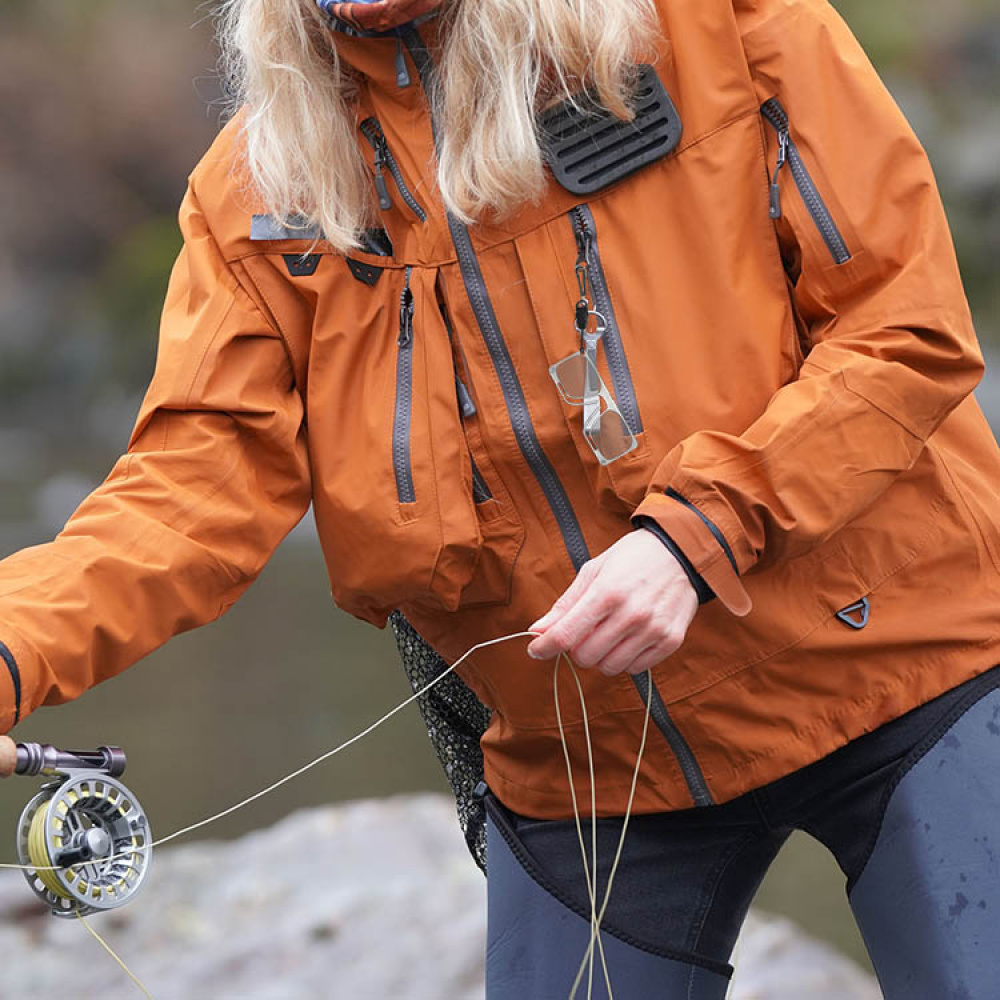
x,y
654,793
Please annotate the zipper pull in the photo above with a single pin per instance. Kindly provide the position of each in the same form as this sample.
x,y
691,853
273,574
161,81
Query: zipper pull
x,y
465,401
783,139
402,71
384,201
406,314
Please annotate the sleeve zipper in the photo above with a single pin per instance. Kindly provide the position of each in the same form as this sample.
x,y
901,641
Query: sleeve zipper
x,y
788,153
384,160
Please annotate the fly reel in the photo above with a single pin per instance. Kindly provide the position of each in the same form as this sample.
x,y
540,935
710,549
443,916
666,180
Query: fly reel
x,y
84,839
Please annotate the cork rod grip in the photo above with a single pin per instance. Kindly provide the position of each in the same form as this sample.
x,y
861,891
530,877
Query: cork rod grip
x,y
8,756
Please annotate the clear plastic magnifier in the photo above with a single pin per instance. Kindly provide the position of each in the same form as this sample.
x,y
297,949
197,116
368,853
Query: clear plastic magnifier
x,y
580,383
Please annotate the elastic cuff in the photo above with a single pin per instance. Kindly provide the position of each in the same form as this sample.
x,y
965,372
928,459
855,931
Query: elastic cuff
x,y
703,544
702,589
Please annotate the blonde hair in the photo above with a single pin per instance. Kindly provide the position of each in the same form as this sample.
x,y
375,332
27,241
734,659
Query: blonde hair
x,y
500,62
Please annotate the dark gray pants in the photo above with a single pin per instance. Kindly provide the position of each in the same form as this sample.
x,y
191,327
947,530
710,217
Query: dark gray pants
x,y
911,812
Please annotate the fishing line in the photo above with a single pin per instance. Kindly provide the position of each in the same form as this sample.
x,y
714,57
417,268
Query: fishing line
x,y
590,868
305,767
598,918
104,944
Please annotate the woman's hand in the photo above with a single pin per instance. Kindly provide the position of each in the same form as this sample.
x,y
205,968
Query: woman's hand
x,y
627,609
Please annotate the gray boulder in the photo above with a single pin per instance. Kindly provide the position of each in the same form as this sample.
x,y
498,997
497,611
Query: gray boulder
x,y
363,901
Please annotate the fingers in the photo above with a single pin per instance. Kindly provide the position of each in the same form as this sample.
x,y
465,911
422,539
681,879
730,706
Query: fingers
x,y
626,610
566,603
567,631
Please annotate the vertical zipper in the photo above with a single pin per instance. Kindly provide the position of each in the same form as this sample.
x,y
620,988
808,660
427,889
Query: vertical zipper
x,y
481,491
402,417
384,160
503,365
693,777
788,153
524,432
585,231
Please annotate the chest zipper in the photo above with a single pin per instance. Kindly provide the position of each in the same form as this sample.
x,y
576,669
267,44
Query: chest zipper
x,y
481,491
503,365
385,161
788,154
403,412
590,269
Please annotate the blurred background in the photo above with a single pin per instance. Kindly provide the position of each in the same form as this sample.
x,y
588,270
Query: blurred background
x,y
104,108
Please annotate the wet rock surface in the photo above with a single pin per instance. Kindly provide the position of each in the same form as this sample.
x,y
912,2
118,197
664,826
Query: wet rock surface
x,y
363,901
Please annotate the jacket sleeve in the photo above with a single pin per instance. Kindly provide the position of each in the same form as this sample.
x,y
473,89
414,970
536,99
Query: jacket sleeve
x,y
888,340
215,475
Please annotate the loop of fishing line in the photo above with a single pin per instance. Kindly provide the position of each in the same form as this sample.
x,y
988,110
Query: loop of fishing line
x,y
590,870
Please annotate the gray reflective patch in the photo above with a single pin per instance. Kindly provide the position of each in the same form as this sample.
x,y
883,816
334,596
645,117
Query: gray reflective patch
x,y
267,227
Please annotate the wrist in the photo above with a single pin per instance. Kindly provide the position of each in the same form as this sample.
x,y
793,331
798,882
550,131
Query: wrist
x,y
702,590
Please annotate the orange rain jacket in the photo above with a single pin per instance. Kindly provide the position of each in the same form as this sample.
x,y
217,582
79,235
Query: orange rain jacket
x,y
800,389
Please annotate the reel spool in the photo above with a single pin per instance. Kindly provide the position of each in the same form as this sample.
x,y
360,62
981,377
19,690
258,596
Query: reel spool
x,y
84,838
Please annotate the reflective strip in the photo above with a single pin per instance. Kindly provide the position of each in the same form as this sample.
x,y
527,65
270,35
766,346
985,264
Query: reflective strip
x,y
267,227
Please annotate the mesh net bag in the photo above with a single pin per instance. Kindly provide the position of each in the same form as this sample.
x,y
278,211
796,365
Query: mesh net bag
x,y
455,719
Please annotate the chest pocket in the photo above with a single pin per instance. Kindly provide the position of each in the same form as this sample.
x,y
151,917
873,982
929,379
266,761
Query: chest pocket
x,y
409,512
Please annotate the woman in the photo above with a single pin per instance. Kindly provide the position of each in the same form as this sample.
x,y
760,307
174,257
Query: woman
x,y
489,329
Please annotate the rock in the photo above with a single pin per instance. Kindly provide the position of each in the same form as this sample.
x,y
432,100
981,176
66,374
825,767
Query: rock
x,y
363,901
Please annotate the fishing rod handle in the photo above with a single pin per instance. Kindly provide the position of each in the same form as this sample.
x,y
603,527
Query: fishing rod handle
x,y
43,758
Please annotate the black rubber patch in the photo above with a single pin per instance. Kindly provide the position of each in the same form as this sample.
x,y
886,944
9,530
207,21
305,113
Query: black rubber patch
x,y
587,147
299,266
367,273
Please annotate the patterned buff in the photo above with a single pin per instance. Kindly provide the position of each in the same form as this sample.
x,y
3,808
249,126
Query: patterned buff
x,y
377,15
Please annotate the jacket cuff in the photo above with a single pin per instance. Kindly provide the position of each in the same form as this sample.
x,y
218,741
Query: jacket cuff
x,y
703,544
702,589
11,684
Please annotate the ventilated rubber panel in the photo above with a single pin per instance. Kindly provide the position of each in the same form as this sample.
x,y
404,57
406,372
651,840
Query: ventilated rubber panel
x,y
587,148
455,719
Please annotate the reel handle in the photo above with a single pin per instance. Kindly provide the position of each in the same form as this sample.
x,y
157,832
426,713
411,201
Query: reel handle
x,y
43,758
8,756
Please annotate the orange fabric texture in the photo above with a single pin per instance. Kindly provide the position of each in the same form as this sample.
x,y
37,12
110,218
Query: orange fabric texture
x,y
809,413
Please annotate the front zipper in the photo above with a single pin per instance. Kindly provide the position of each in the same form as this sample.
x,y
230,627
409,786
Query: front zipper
x,y
589,257
693,777
527,440
503,365
384,160
403,413
788,153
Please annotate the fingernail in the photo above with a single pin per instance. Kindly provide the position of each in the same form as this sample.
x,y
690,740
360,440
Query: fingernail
x,y
534,654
